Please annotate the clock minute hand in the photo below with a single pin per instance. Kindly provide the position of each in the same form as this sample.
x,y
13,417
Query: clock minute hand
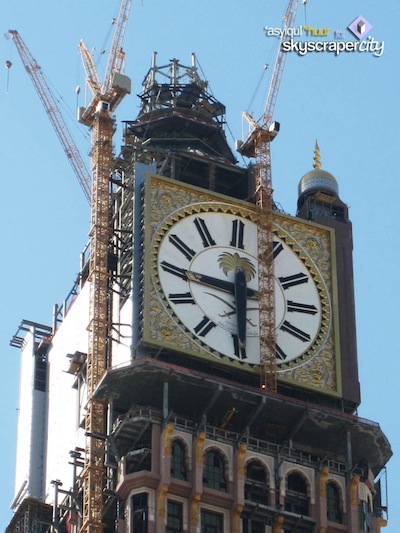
x,y
217,283
241,304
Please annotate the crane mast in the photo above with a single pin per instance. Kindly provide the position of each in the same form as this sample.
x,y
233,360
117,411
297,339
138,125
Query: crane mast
x,y
257,145
98,116
50,105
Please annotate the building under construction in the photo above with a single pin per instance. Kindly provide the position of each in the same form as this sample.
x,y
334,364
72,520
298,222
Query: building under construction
x,y
201,375
182,437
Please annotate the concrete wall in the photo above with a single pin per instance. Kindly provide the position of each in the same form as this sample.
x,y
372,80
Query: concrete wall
x,y
32,423
66,410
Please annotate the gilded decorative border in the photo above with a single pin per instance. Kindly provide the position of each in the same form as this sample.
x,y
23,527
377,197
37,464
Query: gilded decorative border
x,y
167,199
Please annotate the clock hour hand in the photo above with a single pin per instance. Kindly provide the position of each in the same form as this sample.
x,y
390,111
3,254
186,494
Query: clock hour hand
x,y
217,283
241,304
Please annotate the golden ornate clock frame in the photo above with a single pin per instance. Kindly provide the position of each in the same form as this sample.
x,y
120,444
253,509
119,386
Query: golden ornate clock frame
x,y
166,202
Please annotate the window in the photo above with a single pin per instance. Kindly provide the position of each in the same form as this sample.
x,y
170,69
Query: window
x,y
364,517
40,381
334,512
253,526
139,513
178,461
211,522
174,517
296,500
214,471
299,529
255,488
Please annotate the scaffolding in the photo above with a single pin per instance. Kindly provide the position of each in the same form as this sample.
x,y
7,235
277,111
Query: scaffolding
x,y
32,516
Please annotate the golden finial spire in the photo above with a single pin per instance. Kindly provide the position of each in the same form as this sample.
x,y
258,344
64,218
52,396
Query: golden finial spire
x,y
317,156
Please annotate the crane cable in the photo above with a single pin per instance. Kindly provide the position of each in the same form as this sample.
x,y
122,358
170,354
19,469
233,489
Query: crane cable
x,y
103,48
9,65
305,12
62,102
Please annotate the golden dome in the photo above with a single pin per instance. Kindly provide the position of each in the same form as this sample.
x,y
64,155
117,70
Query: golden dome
x,y
318,179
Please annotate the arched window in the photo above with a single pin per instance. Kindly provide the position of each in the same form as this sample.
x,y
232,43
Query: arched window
x,y
255,488
296,500
214,471
333,501
178,460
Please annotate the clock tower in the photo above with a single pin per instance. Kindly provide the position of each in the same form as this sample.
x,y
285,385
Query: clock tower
x,y
199,446
319,202
192,443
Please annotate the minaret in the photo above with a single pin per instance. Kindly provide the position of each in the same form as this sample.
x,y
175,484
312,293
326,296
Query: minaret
x,y
319,194
319,202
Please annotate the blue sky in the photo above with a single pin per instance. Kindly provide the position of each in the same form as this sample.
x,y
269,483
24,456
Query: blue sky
x,y
349,103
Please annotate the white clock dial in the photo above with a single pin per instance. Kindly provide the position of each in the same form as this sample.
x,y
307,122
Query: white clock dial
x,y
207,274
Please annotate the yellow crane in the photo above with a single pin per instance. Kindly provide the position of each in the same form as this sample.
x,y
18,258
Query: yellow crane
x,y
98,115
257,145
53,112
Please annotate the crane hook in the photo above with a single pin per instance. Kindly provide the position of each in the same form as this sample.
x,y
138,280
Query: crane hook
x,y
8,66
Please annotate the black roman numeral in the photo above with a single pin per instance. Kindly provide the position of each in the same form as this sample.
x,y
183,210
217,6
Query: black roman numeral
x,y
278,247
204,233
291,281
181,298
279,353
301,308
182,247
298,333
204,326
239,352
237,234
172,269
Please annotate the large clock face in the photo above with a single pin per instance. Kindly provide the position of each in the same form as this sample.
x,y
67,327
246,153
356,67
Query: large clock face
x,y
206,274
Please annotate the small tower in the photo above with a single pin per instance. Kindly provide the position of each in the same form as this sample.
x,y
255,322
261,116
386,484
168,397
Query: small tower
x,y
319,195
319,202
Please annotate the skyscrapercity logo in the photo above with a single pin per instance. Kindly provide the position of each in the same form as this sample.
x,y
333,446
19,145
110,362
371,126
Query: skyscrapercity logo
x,y
360,27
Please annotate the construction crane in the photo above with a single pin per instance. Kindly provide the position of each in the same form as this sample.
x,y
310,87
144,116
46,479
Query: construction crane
x,y
53,112
98,115
257,145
